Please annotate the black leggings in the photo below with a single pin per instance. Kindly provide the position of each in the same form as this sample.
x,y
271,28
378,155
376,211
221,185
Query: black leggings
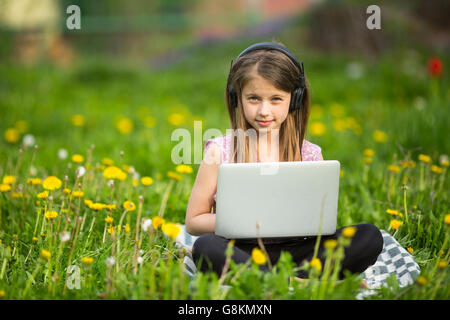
x,y
367,243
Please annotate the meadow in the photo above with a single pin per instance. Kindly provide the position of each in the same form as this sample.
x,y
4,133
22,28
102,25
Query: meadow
x,y
91,202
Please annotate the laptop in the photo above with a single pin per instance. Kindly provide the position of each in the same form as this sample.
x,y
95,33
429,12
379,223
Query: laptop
x,y
277,199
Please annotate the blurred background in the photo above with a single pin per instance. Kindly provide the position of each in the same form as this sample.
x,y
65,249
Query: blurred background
x,y
137,70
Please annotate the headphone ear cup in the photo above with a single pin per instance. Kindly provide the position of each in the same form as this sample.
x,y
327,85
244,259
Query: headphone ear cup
x,y
296,99
233,97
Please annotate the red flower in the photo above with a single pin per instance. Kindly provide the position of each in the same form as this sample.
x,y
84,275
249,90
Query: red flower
x,y
435,67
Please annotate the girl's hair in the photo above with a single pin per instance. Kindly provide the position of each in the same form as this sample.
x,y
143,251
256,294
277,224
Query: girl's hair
x,y
277,68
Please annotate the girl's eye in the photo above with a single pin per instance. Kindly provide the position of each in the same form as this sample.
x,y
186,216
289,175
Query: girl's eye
x,y
253,98
276,98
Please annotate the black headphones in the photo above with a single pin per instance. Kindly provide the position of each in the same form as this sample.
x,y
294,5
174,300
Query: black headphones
x,y
296,95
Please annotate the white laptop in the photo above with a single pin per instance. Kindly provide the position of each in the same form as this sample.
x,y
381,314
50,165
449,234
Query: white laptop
x,y
277,199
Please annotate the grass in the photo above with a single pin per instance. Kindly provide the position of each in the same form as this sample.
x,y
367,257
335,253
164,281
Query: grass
x,y
124,122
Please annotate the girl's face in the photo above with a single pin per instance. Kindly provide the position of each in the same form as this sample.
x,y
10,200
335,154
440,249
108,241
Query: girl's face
x,y
265,106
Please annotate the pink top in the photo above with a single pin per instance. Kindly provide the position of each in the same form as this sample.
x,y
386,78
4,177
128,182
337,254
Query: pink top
x,y
310,152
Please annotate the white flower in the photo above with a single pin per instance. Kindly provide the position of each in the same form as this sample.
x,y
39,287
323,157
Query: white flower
x,y
62,154
80,171
141,252
110,261
110,183
146,224
64,236
443,158
28,140
140,260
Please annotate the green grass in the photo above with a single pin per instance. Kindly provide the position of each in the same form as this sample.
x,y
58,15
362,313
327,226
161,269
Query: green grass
x,y
411,110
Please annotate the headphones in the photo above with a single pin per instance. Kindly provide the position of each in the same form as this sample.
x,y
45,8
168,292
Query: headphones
x,y
296,95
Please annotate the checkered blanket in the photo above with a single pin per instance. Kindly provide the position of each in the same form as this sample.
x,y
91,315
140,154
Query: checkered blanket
x,y
393,259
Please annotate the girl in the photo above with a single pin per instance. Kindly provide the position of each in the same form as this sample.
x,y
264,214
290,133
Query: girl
x,y
266,92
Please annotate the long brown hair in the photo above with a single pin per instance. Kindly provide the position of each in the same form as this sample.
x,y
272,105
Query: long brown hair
x,y
277,68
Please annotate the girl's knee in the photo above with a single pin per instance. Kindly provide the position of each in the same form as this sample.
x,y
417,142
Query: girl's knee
x,y
205,244
372,238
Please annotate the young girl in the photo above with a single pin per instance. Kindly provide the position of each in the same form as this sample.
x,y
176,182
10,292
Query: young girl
x,y
266,92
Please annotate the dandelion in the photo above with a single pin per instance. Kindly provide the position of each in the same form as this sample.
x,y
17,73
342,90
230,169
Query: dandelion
x,y
424,158
341,173
51,215
421,280
107,161
337,110
157,222
80,171
2,294
28,140
173,175
35,239
110,262
87,261
171,229
78,120
35,181
5,187
126,228
183,168
176,119
367,160
349,232
368,152
62,154
146,181
316,263
67,191
77,194
110,229
436,169
12,135
9,179
64,236
124,125
140,260
318,128
393,212
393,168
77,158
410,250
45,254
447,219
110,207
109,220
258,256
51,183
129,206
97,206
88,202
442,264
395,224
379,136
146,224
17,195
330,244
443,160
113,172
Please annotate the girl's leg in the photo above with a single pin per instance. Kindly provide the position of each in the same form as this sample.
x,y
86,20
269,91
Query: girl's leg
x,y
363,251
209,253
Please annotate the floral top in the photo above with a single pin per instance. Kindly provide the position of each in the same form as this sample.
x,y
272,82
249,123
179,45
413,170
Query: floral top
x,y
310,152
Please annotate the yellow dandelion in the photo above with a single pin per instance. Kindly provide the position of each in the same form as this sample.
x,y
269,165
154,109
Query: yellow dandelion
x,y
447,219
436,169
395,224
171,229
316,263
174,175
183,168
107,161
66,191
126,228
424,158
410,250
157,222
393,212
421,280
368,152
17,195
45,254
124,125
330,244
109,220
35,239
96,206
43,195
379,136
135,182
110,207
2,294
110,230
88,202
176,119
12,135
9,179
367,160
51,214
442,264
337,110
87,260
445,163
36,181
78,120
77,194
349,232
393,168
258,256
129,205
318,128
408,163
146,181
113,172
5,187
341,173
51,183
77,158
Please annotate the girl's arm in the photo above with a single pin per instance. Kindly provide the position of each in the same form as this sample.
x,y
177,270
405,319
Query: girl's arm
x,y
199,219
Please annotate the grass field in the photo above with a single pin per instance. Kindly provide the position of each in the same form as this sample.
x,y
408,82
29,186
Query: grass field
x,y
384,120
